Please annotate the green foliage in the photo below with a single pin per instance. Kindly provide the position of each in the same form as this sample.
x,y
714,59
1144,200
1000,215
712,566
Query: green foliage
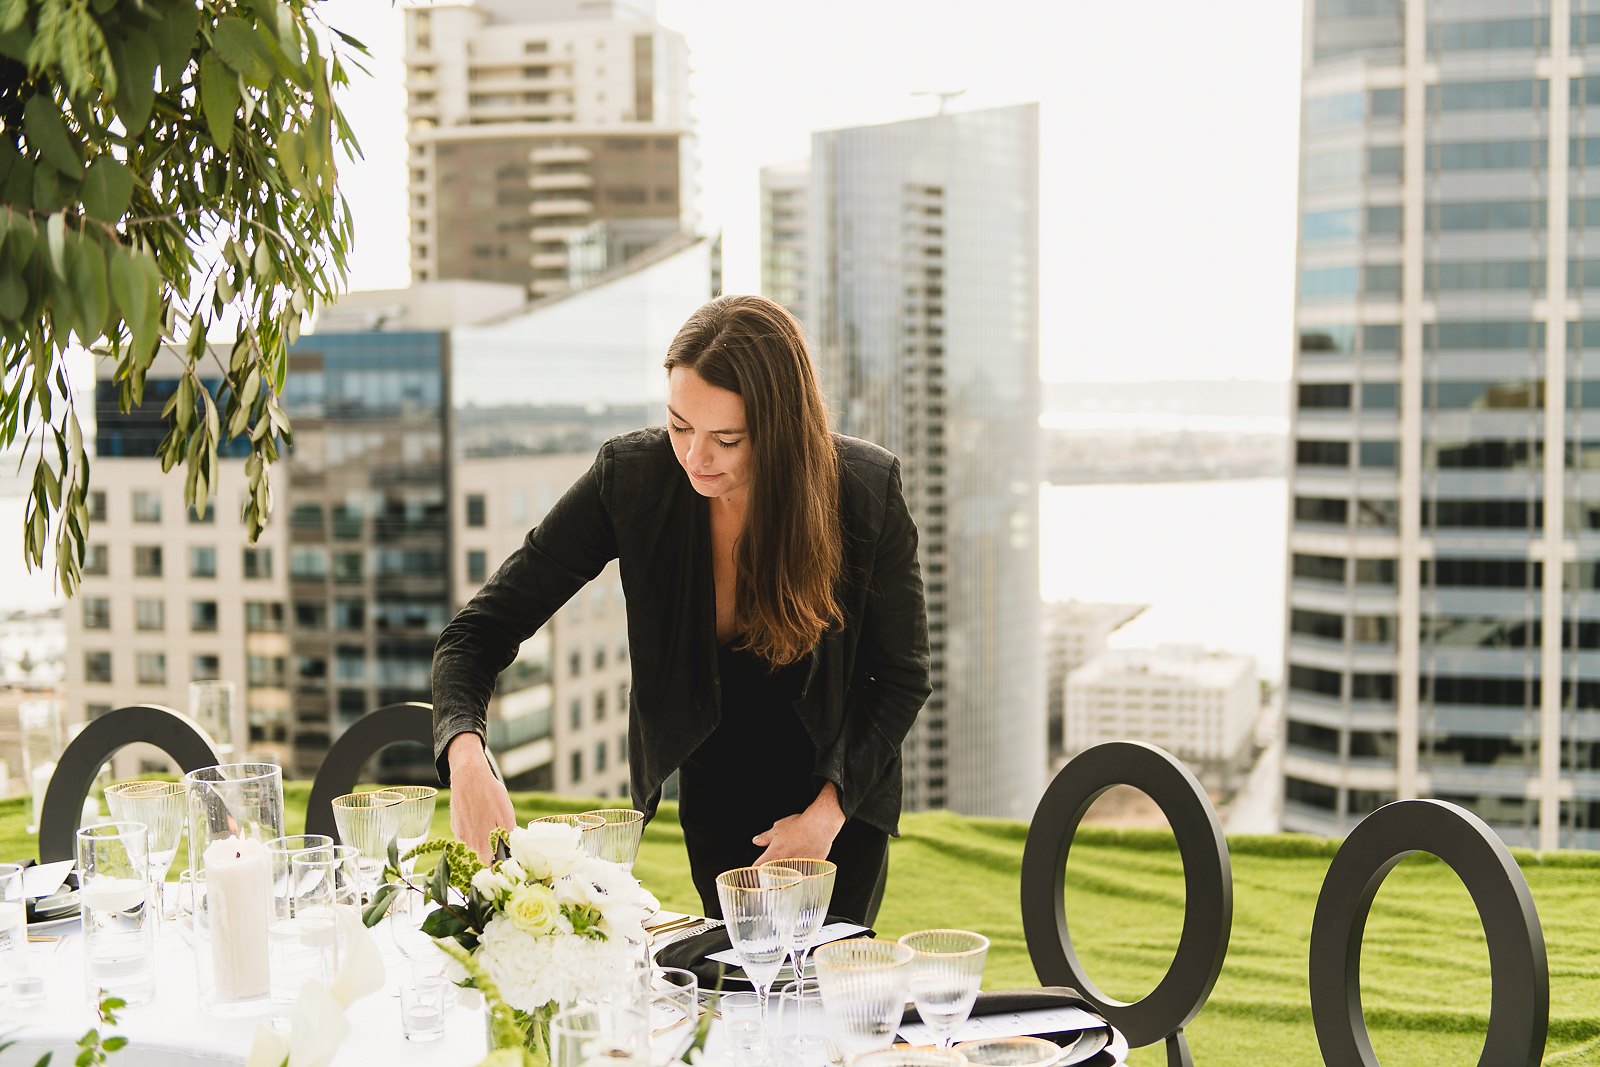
x,y
92,1048
167,170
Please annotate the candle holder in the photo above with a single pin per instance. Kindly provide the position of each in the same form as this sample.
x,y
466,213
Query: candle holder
x,y
234,810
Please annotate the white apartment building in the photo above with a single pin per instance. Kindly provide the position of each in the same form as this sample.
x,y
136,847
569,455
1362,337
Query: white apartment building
x,y
1074,633
1200,706
785,220
533,121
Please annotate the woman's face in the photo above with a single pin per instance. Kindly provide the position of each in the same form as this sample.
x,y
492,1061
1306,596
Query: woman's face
x,y
709,435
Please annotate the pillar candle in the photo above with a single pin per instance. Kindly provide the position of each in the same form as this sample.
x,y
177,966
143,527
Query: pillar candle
x,y
238,905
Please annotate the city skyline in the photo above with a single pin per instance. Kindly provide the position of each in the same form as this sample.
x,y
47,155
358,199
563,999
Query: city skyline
x,y
1218,245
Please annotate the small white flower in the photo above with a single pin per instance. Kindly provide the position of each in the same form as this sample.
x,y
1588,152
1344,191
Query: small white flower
x,y
491,883
512,871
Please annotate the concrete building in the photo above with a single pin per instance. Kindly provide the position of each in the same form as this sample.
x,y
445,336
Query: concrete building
x,y
1200,706
1444,624
785,234
1074,634
544,133
922,308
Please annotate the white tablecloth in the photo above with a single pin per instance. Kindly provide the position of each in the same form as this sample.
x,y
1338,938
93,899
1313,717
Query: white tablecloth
x,y
172,1031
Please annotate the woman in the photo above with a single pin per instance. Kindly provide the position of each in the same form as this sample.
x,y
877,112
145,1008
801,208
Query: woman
x,y
776,625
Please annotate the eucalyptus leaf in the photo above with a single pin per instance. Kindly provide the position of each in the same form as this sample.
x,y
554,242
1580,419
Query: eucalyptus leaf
x,y
47,135
240,48
175,34
135,57
107,189
86,270
219,94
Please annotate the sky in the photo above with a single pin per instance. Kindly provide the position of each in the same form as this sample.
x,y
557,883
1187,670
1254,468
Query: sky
x,y
1168,146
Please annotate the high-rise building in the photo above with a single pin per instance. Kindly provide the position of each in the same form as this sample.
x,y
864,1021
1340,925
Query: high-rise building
x,y
549,139
433,426
1444,628
785,234
922,305
1074,633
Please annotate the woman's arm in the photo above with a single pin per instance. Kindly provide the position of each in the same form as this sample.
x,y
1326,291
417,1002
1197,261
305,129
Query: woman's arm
x,y
892,677
568,548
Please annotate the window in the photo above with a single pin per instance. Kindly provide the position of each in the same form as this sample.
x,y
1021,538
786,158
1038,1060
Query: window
x,y
97,667
1319,568
600,756
1317,624
1330,510
1329,396
207,667
147,561
1314,680
310,615
600,705
1484,34
308,563
575,663
150,668
349,614
97,505
347,566
1376,571
203,616
1343,224
1310,794
264,672
146,506
1380,455
1486,155
477,511
202,561
1380,396
477,566
263,616
599,656
1322,453
1317,738
1492,95
149,614
575,715
577,766
96,613
258,563
207,517
1486,215
96,561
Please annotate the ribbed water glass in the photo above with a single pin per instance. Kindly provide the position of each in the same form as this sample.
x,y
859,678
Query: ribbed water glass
x,y
416,821
615,1035
813,896
163,808
369,822
1010,1051
758,906
620,834
864,982
946,974
280,850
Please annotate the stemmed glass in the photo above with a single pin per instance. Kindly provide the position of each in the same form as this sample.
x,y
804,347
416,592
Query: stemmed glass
x,y
811,910
758,904
589,827
674,1011
416,821
368,821
619,834
163,808
863,983
945,975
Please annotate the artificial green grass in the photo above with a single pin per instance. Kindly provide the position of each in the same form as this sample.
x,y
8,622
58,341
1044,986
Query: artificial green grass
x,y
1425,967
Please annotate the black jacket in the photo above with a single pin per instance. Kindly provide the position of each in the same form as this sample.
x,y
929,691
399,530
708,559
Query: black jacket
x,y
866,679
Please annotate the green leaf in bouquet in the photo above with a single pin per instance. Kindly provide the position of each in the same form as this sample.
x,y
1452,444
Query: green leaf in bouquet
x,y
444,922
394,851
380,904
440,888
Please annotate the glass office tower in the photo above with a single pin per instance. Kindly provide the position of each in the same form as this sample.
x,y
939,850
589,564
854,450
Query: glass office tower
x,y
923,311
1444,612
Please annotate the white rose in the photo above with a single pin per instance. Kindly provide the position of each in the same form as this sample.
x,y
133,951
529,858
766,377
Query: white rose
x,y
491,884
544,848
513,873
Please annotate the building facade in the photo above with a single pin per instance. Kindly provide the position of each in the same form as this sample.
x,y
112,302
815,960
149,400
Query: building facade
x,y
1444,624
922,307
785,234
1200,706
543,133
1074,633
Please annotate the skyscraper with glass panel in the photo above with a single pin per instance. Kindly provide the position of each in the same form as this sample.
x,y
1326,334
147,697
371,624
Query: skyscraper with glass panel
x,y
922,306
1443,606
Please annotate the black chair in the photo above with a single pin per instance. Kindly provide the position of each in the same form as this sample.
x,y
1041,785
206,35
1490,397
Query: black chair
x,y
1519,1006
365,738
173,732
1207,876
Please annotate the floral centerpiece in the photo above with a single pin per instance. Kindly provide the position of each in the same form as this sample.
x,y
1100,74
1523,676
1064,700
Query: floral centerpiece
x,y
542,928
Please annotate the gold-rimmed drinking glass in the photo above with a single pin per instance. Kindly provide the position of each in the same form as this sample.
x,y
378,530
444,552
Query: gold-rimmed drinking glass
x,y
910,1056
163,808
368,822
620,833
758,907
416,821
1010,1051
863,982
945,975
589,827
811,907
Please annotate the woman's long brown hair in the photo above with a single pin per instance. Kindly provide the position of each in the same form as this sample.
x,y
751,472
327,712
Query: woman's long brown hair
x,y
791,549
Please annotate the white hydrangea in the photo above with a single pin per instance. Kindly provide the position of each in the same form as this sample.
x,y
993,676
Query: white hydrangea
x,y
532,971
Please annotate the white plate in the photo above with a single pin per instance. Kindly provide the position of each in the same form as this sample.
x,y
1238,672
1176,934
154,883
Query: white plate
x,y
53,924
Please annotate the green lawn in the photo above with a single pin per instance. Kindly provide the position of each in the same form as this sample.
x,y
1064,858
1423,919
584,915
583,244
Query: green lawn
x,y
1426,968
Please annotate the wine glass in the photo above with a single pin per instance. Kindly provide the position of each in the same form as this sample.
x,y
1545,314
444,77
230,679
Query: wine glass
x,y
619,834
368,821
863,983
945,975
416,821
588,826
163,808
811,910
758,906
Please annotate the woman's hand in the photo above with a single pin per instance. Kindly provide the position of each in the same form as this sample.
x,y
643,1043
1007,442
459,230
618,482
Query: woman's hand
x,y
478,800
807,835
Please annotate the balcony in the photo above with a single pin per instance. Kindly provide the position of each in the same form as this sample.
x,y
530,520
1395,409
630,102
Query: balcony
x,y
564,208
574,179
560,154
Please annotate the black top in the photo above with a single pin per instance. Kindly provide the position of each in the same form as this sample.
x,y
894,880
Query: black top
x,y
756,767
863,684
